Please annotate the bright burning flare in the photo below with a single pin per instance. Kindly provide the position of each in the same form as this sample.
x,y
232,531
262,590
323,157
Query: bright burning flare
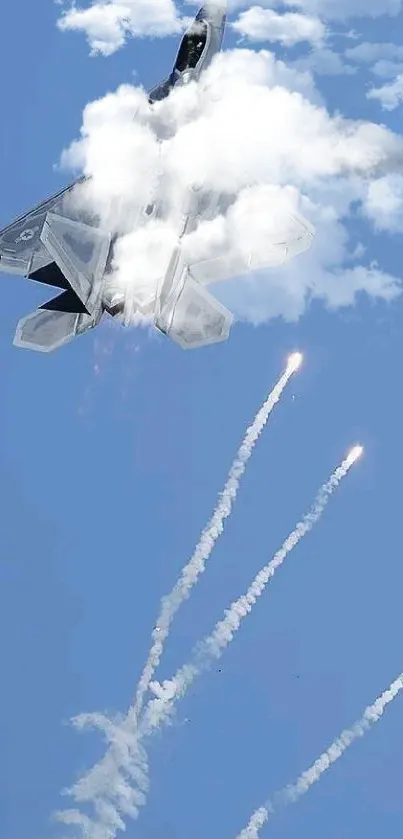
x,y
355,453
295,361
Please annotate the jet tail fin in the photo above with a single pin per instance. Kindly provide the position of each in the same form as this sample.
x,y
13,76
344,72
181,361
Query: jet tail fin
x,y
51,244
74,257
81,253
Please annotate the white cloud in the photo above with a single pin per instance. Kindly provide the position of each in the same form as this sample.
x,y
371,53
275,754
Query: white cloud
x,y
383,203
260,128
116,136
259,24
327,272
338,9
387,69
389,95
108,24
323,61
369,53
250,124
383,59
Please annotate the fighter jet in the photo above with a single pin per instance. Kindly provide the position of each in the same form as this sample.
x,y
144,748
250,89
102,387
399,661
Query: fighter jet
x,y
57,244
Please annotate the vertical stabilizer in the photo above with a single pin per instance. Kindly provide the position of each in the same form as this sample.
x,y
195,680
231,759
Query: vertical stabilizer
x,y
81,253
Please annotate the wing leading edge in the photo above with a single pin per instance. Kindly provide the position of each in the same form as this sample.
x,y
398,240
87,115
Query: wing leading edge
x,y
21,250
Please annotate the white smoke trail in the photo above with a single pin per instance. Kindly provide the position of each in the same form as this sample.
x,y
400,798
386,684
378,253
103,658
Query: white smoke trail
x,y
293,792
118,783
223,633
121,776
211,533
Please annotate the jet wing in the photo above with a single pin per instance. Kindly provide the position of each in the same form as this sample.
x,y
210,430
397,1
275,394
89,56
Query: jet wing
x,y
80,251
21,249
186,311
50,245
232,259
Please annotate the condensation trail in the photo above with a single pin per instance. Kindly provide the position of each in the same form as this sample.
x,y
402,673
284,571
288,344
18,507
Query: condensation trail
x,y
211,533
293,792
223,633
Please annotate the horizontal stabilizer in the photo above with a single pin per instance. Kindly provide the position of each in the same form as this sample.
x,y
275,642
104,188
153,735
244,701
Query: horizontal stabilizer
x,y
187,312
46,330
199,318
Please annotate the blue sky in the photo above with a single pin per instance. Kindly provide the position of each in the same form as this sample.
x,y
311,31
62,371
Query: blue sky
x,y
113,451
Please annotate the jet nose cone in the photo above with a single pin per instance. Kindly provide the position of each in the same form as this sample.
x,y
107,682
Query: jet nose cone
x,y
214,11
